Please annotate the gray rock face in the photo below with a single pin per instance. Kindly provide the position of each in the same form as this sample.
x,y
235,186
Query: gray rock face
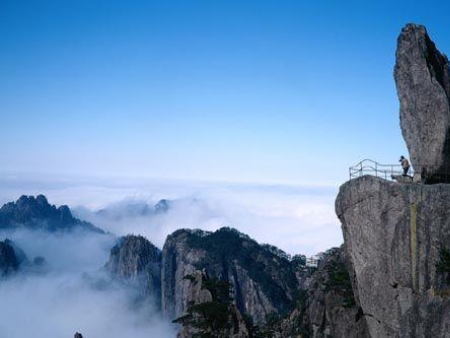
x,y
422,77
393,235
136,261
262,282
198,293
332,309
329,308
178,261
402,179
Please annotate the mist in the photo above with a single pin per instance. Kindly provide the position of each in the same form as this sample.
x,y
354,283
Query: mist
x,y
299,219
296,219
71,292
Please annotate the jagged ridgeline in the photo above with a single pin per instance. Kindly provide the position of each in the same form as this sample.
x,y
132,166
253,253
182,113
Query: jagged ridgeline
x,y
397,235
35,213
270,293
262,282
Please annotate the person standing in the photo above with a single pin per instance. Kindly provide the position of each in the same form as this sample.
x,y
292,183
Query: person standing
x,y
405,165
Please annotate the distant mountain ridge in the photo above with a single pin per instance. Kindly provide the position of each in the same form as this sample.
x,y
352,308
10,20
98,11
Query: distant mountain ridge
x,y
134,209
35,213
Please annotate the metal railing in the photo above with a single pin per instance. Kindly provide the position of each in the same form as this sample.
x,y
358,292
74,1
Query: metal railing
x,y
429,174
370,167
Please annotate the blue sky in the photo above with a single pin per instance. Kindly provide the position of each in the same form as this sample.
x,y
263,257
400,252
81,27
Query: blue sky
x,y
259,91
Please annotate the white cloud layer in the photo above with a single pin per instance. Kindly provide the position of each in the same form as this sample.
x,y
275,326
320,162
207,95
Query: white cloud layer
x,y
72,293
298,219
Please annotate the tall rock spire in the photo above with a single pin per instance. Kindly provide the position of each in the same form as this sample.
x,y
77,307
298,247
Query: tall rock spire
x,y
423,84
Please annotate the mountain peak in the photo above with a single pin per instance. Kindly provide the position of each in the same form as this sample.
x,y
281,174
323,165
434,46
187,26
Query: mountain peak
x,y
37,213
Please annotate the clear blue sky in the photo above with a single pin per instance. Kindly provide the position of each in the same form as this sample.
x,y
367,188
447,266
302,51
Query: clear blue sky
x,y
267,91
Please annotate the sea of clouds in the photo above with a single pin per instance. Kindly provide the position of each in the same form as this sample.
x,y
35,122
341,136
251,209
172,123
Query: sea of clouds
x,y
299,219
72,292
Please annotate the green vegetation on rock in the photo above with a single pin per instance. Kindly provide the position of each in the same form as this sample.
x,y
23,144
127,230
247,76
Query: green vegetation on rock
x,y
339,282
262,262
210,318
443,264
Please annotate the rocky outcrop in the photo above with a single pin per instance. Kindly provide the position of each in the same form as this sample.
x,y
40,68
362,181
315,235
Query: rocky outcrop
x,y
162,206
262,282
137,262
422,77
33,213
9,260
396,235
14,259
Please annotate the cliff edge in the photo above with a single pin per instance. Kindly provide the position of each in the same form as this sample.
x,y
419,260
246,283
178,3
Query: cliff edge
x,y
396,236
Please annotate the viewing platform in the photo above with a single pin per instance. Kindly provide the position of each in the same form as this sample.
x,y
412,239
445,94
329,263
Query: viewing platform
x,y
424,173
386,171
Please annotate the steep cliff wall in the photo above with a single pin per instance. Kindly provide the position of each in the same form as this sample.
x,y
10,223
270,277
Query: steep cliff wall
x,y
332,308
262,282
326,306
137,262
395,235
211,311
284,298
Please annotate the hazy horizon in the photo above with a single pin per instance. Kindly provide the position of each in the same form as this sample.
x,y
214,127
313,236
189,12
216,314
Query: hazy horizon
x,y
297,219
107,101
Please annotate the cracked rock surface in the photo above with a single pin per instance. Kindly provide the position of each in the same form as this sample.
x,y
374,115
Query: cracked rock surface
x,y
393,235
